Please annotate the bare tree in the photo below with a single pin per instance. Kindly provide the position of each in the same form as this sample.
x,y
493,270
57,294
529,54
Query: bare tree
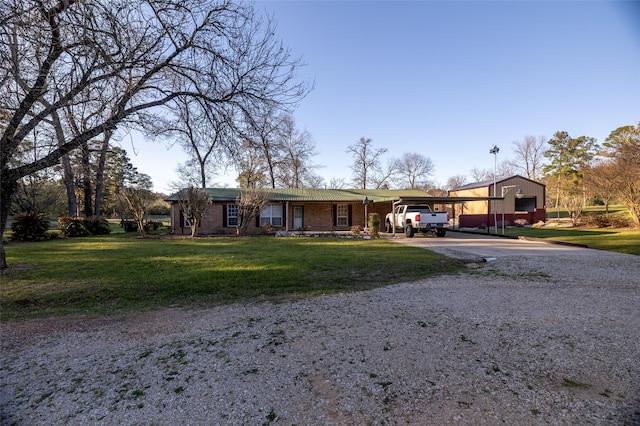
x,y
434,190
251,169
481,175
456,181
623,149
415,169
193,203
506,168
601,178
366,160
337,183
266,138
118,63
530,156
136,200
383,177
250,203
205,135
285,153
295,170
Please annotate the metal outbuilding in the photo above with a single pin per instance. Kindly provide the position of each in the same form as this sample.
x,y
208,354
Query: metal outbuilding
x,y
506,201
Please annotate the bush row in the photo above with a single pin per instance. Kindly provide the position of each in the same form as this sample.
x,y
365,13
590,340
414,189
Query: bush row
x,y
132,226
604,221
35,226
82,227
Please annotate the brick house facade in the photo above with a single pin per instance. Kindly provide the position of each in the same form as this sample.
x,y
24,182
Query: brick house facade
x,y
288,209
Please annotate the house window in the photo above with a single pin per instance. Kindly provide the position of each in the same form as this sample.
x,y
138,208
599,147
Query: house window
x,y
342,215
271,214
183,219
232,215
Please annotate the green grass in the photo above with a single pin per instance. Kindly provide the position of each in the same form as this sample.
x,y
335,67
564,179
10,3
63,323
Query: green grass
x,y
601,239
99,275
611,239
552,213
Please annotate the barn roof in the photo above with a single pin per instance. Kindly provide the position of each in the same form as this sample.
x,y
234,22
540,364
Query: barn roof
x,y
487,183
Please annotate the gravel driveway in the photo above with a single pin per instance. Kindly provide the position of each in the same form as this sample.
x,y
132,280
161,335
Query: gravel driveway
x,y
550,339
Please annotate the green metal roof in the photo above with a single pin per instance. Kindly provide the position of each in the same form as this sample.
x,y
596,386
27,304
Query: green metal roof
x,y
309,194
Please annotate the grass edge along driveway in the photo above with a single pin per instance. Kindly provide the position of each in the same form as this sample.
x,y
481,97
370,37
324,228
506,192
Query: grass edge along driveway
x,y
106,274
609,239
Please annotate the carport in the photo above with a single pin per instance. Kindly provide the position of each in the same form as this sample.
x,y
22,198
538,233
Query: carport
x,y
443,201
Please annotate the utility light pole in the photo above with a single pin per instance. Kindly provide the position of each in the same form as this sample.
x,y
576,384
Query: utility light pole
x,y
494,150
366,204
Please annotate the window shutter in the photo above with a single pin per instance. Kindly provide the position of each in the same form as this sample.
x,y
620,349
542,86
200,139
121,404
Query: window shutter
x,y
284,214
257,220
224,215
335,215
349,217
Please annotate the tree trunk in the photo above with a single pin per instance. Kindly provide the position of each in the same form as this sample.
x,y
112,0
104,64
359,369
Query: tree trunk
x,y
194,227
140,223
203,174
8,186
69,185
558,197
100,173
86,180
68,178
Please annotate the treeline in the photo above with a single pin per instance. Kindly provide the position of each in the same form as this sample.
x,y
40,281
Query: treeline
x,y
87,187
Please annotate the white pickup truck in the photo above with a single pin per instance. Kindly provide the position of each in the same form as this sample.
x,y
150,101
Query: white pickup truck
x,y
413,218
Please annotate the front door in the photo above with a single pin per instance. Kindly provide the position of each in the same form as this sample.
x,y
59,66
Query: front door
x,y
298,216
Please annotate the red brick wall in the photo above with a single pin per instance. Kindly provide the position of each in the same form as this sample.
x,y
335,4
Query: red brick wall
x,y
318,217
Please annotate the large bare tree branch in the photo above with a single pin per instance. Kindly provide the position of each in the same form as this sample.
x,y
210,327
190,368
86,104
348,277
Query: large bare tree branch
x,y
113,63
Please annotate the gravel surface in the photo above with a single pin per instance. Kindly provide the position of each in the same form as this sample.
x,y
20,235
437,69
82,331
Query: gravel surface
x,y
543,340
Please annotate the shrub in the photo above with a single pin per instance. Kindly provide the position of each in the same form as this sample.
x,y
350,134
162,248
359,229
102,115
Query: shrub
x,y
129,225
29,227
374,223
97,226
356,229
620,222
152,225
73,226
595,221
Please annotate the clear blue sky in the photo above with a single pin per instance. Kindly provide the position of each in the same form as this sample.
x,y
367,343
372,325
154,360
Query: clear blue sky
x,y
450,79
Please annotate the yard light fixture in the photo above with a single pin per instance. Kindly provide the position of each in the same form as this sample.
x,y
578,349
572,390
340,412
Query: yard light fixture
x,y
519,193
494,150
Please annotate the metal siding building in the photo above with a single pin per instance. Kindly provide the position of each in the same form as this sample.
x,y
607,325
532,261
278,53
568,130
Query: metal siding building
x,y
529,207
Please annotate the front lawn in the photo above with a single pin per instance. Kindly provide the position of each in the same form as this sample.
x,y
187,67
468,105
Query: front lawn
x,y
618,240
99,275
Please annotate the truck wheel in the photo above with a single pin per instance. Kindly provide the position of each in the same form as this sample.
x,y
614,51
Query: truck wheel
x,y
409,231
388,227
440,232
